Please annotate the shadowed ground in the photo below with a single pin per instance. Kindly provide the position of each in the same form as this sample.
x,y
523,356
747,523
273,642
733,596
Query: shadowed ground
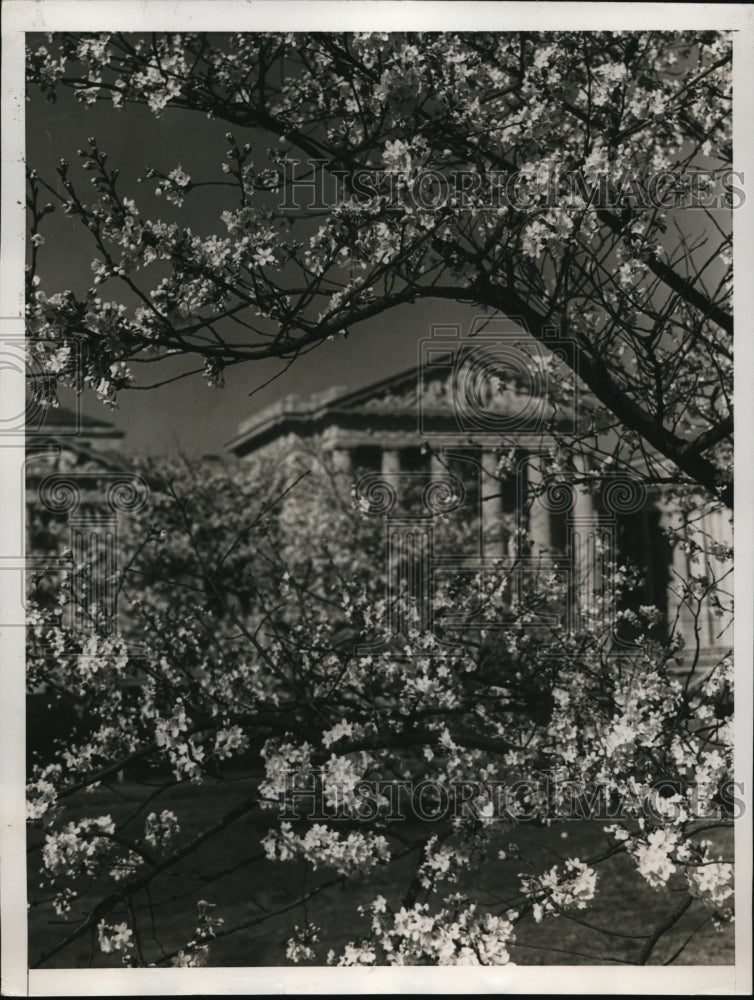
x,y
252,892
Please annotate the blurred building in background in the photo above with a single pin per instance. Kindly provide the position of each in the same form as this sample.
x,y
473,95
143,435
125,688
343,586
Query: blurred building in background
x,y
418,430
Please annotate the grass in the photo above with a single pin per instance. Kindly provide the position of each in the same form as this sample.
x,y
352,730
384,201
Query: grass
x,y
624,904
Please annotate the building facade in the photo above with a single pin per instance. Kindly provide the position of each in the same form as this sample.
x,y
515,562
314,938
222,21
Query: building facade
x,y
487,454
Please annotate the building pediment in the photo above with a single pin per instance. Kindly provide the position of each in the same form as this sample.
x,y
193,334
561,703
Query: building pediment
x,y
414,401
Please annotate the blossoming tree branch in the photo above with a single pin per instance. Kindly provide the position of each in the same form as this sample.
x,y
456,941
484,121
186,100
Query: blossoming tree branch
x,y
575,181
241,676
432,801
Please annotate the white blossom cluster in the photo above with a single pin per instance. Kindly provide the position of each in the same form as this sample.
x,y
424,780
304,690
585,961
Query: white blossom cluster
x,y
322,846
555,891
457,934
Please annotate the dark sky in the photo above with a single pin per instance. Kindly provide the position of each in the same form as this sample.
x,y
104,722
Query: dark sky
x,y
188,413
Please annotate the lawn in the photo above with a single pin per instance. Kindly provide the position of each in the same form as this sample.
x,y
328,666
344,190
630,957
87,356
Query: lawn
x,y
249,892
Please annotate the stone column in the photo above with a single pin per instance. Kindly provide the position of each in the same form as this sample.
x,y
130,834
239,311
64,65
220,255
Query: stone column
x,y
437,466
680,614
701,565
492,508
540,520
713,527
584,527
341,460
721,531
391,462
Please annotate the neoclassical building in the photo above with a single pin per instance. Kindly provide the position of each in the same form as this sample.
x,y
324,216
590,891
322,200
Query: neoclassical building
x,y
78,487
470,437
439,433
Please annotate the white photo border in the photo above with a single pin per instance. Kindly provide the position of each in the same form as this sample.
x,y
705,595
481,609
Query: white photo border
x,y
21,16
